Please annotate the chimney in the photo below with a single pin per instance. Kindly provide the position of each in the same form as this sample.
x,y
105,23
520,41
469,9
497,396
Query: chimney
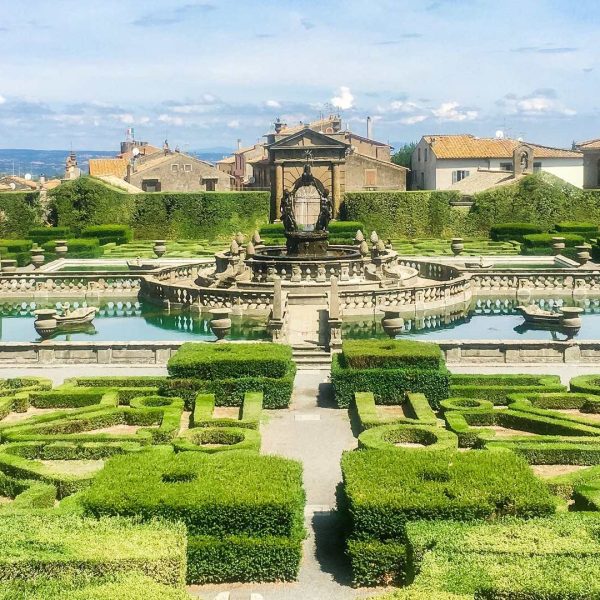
x,y
369,128
239,143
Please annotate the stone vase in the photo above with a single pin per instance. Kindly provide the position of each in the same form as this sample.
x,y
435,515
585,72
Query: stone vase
x,y
457,246
583,254
558,245
392,323
220,323
37,257
9,265
571,317
160,247
61,248
45,321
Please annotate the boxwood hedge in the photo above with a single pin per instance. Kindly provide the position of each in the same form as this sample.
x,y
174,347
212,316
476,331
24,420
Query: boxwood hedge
x,y
390,354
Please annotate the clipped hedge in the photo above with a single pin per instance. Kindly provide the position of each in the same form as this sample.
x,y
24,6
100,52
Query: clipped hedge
x,y
228,361
537,240
34,545
583,228
388,385
22,211
416,404
386,489
585,384
41,235
77,248
391,437
249,415
390,354
374,562
107,234
513,231
217,439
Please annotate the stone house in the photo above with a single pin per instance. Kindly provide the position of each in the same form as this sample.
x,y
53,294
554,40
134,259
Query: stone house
x,y
591,163
176,172
439,162
239,164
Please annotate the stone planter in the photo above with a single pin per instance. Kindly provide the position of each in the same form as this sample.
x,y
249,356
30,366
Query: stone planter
x,y
583,254
45,321
61,248
160,247
571,317
37,257
558,245
392,323
220,323
9,265
457,246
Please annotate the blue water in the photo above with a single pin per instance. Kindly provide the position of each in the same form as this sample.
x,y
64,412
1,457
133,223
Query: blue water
x,y
125,321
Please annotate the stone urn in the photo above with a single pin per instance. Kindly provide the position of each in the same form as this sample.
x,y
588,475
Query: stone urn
x,y
9,265
37,257
160,247
359,237
571,317
558,245
45,321
457,245
220,323
583,253
392,323
61,248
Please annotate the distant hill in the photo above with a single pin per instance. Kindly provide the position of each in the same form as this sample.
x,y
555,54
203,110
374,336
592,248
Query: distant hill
x,y
51,163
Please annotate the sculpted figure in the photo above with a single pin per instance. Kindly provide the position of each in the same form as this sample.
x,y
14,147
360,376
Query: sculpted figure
x,y
288,216
326,212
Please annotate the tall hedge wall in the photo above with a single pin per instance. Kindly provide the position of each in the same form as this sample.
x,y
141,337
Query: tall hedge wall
x,y
86,202
21,212
541,199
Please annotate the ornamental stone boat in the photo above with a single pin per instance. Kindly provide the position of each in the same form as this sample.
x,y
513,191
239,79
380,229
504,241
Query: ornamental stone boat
x,y
48,321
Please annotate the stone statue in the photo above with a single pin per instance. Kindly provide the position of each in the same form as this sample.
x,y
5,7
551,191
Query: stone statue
x,y
326,212
524,161
288,216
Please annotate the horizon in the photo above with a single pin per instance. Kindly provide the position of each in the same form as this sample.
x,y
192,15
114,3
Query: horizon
x,y
444,67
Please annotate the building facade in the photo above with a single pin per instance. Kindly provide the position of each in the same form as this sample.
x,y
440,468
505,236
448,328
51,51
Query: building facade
x,y
591,163
440,161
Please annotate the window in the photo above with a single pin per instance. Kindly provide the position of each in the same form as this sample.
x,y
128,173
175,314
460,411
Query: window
x,y
419,154
210,183
174,168
370,177
151,185
506,166
459,175
537,166
426,154
422,186
187,168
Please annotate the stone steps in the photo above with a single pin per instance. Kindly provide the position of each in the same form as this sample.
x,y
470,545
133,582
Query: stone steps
x,y
311,356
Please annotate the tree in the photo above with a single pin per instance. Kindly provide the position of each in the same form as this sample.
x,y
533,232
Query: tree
x,y
403,155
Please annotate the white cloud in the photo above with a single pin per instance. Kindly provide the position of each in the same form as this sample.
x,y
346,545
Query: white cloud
x,y
2,99
344,100
170,120
413,120
234,124
272,104
403,106
452,111
538,103
125,118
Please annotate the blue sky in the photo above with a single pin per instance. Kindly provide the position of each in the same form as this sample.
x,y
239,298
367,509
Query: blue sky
x,y
204,73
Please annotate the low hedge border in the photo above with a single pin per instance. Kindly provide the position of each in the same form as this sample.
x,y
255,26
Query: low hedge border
x,y
118,381
26,494
585,402
366,411
390,354
585,384
388,436
470,404
375,563
249,416
240,558
217,439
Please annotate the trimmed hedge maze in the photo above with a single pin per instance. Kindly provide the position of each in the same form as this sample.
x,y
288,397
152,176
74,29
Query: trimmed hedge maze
x,y
119,487
491,491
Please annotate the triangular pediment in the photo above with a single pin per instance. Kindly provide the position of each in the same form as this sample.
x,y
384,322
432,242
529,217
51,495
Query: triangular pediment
x,y
306,138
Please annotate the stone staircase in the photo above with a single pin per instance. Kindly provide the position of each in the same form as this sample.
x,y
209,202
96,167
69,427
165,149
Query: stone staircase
x,y
311,356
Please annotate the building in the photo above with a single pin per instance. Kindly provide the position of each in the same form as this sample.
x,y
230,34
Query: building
x,y
441,161
176,172
591,163
143,167
341,161
72,170
239,164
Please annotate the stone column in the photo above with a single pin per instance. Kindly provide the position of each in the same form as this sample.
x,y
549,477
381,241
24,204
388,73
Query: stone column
x,y
335,193
278,191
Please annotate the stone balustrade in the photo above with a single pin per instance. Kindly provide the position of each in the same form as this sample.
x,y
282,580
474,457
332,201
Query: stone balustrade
x,y
32,284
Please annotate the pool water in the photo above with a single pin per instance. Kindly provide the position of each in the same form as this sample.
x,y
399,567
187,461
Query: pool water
x,y
125,321
490,319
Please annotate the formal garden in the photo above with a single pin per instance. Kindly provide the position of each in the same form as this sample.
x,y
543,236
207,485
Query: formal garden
x,y
410,412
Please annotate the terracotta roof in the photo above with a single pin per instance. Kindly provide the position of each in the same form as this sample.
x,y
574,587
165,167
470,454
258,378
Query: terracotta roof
x,y
146,150
227,160
469,146
482,180
590,144
108,166
51,184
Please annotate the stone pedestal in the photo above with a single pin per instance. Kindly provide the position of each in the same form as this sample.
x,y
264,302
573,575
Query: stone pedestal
x,y
307,243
